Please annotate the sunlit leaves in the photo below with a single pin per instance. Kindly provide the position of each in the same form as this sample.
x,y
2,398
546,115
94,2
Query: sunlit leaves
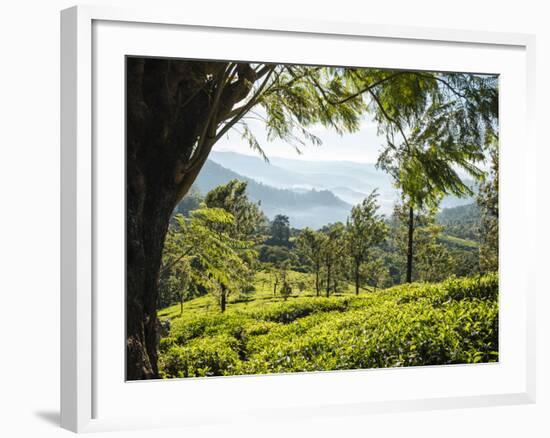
x,y
411,325
219,262
434,123
488,201
232,198
439,120
365,229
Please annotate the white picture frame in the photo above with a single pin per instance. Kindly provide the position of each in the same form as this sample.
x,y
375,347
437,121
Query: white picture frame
x,y
87,388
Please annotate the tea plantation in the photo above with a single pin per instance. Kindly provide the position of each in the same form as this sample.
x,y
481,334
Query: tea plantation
x,y
453,322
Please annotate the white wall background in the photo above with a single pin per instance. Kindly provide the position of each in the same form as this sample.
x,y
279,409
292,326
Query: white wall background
x,y
29,217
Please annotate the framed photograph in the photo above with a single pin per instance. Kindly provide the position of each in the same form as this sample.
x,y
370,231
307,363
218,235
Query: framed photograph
x,y
265,218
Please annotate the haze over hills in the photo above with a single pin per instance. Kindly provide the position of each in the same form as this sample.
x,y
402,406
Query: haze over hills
x,y
305,208
350,181
312,194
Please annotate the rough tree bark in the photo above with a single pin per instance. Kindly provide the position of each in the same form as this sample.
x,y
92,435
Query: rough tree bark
x,y
173,111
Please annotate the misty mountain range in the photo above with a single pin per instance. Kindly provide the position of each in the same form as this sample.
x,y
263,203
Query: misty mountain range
x,y
308,208
311,193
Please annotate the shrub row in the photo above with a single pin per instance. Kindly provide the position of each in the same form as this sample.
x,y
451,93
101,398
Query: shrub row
x,y
432,324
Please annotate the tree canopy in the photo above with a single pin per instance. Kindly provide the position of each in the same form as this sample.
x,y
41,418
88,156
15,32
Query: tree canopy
x,y
365,229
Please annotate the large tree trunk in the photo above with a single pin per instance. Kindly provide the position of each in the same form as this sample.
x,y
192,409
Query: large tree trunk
x,y
173,111
145,234
410,244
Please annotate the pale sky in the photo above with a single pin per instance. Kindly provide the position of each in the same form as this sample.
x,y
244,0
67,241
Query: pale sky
x,y
362,146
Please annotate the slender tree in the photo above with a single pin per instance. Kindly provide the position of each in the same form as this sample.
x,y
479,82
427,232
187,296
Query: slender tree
x,y
217,258
432,260
175,281
375,272
332,252
426,171
488,202
276,273
433,131
280,230
365,229
310,244
286,288
232,197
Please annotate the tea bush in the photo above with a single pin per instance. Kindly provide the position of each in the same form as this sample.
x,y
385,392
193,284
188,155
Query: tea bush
x,y
419,324
211,356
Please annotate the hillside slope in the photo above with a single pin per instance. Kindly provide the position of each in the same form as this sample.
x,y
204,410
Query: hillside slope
x,y
419,324
351,181
312,208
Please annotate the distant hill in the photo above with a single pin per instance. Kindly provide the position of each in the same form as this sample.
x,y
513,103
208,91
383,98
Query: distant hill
x,y
288,173
349,195
461,221
350,181
312,208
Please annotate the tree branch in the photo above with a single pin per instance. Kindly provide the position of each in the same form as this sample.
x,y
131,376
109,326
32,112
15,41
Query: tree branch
x,y
391,119
366,89
165,268
243,109
226,77
443,81
264,70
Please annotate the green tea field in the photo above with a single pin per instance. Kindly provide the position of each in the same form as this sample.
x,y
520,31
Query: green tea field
x,y
452,322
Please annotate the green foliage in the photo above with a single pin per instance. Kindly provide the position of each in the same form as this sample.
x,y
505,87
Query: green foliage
x,y
280,231
457,242
232,197
276,254
301,285
286,290
461,222
375,272
212,356
432,121
415,324
310,244
200,249
488,203
334,257
434,260
365,229
191,201
301,96
434,124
